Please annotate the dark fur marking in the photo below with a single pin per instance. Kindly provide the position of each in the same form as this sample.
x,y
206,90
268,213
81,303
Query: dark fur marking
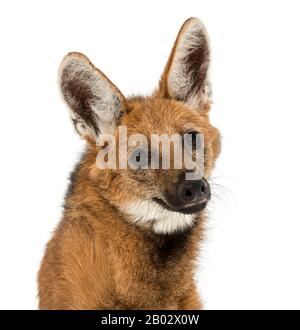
x,y
197,63
79,95
170,248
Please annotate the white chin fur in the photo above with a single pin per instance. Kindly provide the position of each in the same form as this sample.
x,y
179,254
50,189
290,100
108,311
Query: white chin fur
x,y
162,220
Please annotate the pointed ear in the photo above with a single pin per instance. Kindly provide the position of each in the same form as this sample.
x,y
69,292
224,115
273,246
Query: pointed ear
x,y
95,103
185,77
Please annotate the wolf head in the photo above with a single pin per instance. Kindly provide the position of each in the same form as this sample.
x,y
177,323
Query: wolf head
x,y
156,197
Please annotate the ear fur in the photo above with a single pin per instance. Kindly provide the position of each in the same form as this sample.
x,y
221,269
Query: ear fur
x,y
95,102
186,75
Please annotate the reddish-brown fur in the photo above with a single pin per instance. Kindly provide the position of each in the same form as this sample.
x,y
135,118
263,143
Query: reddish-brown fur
x,y
99,259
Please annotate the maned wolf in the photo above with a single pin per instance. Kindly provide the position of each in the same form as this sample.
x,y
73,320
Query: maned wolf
x,y
129,236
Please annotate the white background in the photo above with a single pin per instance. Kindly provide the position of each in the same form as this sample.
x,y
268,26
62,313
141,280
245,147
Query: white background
x,y
250,258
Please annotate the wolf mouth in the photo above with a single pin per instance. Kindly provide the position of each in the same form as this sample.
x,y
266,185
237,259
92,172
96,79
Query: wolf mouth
x,y
186,210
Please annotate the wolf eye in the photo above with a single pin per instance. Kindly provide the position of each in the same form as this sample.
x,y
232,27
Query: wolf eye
x,y
190,138
139,159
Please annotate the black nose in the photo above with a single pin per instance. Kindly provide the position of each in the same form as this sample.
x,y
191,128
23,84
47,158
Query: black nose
x,y
193,191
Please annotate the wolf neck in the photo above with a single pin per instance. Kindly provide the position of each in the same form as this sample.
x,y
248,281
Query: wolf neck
x,y
162,221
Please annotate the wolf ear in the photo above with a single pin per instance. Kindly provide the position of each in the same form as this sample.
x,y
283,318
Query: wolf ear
x,y
95,103
185,77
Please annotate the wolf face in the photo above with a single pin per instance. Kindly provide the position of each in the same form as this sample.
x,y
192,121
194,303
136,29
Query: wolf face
x,y
159,199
